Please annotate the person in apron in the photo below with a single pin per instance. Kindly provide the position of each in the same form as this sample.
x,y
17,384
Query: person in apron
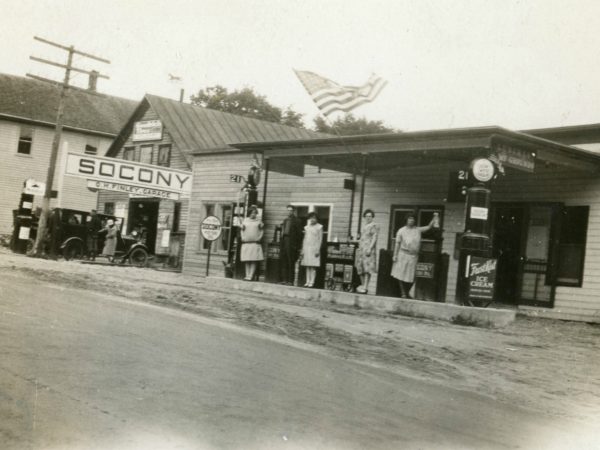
x,y
406,254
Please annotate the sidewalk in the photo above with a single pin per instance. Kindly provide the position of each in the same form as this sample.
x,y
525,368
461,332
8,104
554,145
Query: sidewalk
x,y
462,315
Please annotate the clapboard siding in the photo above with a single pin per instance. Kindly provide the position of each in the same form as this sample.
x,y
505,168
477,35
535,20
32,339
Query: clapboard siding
x,y
211,185
16,168
416,186
572,188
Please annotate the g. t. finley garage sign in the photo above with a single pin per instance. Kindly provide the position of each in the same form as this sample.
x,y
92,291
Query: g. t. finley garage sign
x,y
128,176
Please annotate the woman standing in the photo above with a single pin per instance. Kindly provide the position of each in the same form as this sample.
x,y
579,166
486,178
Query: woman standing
x,y
252,233
365,261
110,242
406,253
311,248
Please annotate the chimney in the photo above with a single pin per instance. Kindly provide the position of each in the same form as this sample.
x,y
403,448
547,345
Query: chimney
x,y
93,80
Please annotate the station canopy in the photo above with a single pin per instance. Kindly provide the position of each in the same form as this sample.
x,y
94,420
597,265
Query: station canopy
x,y
375,152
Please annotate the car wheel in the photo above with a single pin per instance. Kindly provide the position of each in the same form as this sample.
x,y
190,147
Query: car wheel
x,y
138,257
73,250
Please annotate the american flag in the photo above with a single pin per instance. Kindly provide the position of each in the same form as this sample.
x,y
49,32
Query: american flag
x,y
330,96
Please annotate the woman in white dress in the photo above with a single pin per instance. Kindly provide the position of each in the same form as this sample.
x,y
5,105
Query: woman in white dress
x,y
406,254
311,248
252,233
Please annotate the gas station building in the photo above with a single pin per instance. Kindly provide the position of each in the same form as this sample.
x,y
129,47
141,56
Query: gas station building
x,y
542,212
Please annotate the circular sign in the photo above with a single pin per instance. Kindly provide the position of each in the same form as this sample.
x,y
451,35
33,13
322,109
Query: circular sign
x,y
211,228
483,170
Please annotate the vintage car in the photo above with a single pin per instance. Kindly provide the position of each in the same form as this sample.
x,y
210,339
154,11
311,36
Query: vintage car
x,y
68,232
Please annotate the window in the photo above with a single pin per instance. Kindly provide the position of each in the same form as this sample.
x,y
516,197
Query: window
x,y
423,215
224,212
109,208
25,140
164,155
324,215
571,247
146,154
129,153
90,150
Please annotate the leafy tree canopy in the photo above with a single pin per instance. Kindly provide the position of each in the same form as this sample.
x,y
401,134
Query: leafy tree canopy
x,y
246,102
349,125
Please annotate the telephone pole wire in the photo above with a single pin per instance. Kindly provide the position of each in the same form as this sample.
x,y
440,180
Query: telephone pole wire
x,y
38,248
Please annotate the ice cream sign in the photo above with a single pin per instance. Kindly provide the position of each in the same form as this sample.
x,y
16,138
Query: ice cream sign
x,y
117,174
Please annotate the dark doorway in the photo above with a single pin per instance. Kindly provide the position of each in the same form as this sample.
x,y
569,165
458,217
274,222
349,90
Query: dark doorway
x,y
507,246
143,218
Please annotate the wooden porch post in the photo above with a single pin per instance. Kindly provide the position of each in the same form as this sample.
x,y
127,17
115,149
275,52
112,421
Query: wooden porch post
x,y
362,189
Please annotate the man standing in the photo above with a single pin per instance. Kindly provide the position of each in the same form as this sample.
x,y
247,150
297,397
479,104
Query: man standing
x,y
94,225
291,239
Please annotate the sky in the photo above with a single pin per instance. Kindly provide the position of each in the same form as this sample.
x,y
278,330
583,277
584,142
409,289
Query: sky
x,y
448,63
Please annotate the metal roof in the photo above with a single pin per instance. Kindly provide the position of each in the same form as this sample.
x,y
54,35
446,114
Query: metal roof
x,y
196,129
32,101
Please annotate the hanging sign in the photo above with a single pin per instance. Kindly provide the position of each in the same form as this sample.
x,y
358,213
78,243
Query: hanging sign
x,y
514,157
482,277
33,187
147,130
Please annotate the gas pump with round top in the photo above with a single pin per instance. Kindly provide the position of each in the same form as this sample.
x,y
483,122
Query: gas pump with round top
x,y
475,248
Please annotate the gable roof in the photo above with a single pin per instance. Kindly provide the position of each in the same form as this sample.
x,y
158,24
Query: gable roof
x,y
27,100
196,130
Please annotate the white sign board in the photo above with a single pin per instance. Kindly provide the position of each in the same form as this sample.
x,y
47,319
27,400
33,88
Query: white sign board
x,y
24,233
147,130
479,213
134,191
33,187
128,173
211,228
165,237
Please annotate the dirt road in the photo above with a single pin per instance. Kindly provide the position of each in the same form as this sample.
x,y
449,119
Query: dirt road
x,y
546,366
85,370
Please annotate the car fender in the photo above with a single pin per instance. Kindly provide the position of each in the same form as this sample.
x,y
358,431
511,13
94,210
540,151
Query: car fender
x,y
71,239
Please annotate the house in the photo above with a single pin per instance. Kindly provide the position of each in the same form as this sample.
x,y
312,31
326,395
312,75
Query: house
x,y
27,118
168,133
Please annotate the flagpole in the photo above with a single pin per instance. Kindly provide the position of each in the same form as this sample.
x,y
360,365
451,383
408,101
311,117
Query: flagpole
x,y
354,169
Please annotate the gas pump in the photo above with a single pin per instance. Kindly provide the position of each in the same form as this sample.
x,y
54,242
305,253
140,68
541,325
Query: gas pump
x,y
476,268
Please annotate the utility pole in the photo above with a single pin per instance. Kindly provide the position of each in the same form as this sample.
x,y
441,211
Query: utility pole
x,y
43,223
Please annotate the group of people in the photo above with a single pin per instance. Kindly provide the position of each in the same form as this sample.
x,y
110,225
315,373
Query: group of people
x,y
304,244
252,230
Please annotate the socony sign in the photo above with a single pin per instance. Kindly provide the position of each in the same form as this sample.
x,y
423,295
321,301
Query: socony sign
x,y
128,173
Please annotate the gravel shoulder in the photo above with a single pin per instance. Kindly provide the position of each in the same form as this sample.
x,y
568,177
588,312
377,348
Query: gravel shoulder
x,y
542,365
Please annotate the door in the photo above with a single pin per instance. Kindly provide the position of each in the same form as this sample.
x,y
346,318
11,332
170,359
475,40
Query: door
x,y
507,242
524,241
143,218
537,283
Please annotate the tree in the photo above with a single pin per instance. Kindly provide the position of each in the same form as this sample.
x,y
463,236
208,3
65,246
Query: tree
x,y
349,125
246,102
